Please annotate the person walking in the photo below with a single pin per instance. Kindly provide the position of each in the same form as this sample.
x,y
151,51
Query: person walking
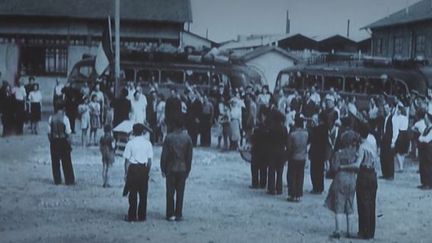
x,y
138,155
59,132
297,155
175,164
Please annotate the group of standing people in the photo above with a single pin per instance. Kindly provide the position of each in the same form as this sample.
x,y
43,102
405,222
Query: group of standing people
x,y
19,105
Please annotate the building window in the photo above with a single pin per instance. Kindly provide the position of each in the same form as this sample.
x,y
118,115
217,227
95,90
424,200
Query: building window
x,y
39,60
420,45
398,46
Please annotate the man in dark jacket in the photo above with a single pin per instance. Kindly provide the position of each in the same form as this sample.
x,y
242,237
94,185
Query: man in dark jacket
x,y
122,108
176,161
173,108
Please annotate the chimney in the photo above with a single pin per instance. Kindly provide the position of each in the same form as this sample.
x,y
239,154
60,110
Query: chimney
x,y
348,28
288,23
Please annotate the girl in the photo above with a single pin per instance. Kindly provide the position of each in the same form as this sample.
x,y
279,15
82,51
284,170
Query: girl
x,y
84,111
107,146
95,111
35,98
160,119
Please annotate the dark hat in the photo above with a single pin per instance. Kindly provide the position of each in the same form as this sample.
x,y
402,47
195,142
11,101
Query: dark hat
x,y
139,128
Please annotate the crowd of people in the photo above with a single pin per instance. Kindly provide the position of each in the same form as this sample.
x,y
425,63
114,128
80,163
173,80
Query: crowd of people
x,y
342,140
20,105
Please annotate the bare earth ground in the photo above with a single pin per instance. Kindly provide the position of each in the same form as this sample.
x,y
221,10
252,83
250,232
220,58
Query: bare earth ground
x,y
219,206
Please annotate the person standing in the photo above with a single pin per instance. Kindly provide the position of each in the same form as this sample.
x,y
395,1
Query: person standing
x,y
71,104
340,197
20,99
318,141
151,110
206,122
7,103
402,143
259,151
59,131
122,108
425,152
138,155
366,184
35,99
175,164
173,108
58,95
387,145
106,146
95,112
194,114
138,108
297,155
84,112
278,136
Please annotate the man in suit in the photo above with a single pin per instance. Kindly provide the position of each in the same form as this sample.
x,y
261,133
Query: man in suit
x,y
173,108
175,164
387,151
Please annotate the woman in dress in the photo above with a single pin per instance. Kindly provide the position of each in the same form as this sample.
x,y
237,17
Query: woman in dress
x,y
35,99
161,130
95,111
84,112
236,105
402,142
138,108
340,198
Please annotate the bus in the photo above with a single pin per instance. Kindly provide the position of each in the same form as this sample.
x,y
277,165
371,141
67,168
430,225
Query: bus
x,y
170,71
360,80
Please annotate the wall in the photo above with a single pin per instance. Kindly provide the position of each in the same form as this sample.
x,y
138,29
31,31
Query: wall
x,y
9,54
269,65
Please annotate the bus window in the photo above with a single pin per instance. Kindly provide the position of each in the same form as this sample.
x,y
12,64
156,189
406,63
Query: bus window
x,y
313,80
85,71
374,86
197,78
128,74
333,82
356,84
146,76
171,76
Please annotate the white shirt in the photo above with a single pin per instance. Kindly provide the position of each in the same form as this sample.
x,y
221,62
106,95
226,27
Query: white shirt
x,y
65,122
420,126
371,140
400,123
58,89
315,97
138,151
35,96
20,93
426,138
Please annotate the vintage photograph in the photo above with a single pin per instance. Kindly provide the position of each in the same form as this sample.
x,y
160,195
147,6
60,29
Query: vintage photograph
x,y
215,121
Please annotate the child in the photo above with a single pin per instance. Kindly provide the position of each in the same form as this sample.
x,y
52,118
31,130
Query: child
x,y
84,111
107,145
95,111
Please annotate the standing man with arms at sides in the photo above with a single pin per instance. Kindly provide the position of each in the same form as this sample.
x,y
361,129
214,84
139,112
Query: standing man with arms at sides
x,y
176,161
388,141
59,131
138,156
173,107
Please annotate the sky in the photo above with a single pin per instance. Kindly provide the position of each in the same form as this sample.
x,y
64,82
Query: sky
x,y
226,19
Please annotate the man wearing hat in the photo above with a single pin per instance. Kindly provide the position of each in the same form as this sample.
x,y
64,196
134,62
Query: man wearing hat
x,y
138,156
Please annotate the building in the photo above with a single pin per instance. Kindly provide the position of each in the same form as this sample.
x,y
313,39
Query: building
x,y
298,42
44,38
246,44
268,61
336,44
199,43
406,34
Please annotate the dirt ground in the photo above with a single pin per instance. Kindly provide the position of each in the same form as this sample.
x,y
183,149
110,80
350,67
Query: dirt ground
x,y
219,206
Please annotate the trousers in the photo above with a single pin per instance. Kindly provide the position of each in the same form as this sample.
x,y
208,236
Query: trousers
x,y
295,177
317,175
175,185
137,180
60,151
366,188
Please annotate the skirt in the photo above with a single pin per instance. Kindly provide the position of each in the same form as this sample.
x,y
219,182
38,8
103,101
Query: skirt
x,y
402,143
35,112
340,197
95,122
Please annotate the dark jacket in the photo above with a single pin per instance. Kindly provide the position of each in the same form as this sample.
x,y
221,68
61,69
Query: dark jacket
x,y
176,153
318,140
122,108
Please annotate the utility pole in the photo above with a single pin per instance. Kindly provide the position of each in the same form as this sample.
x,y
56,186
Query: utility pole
x,y
117,47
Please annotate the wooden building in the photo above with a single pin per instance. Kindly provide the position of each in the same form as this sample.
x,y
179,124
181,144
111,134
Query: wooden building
x,y
45,38
406,34
298,42
337,44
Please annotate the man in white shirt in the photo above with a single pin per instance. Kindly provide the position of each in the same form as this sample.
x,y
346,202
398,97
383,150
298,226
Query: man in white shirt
x,y
138,156
20,99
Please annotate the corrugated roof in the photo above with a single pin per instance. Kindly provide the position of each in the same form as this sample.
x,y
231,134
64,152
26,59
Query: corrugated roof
x,y
419,11
136,10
